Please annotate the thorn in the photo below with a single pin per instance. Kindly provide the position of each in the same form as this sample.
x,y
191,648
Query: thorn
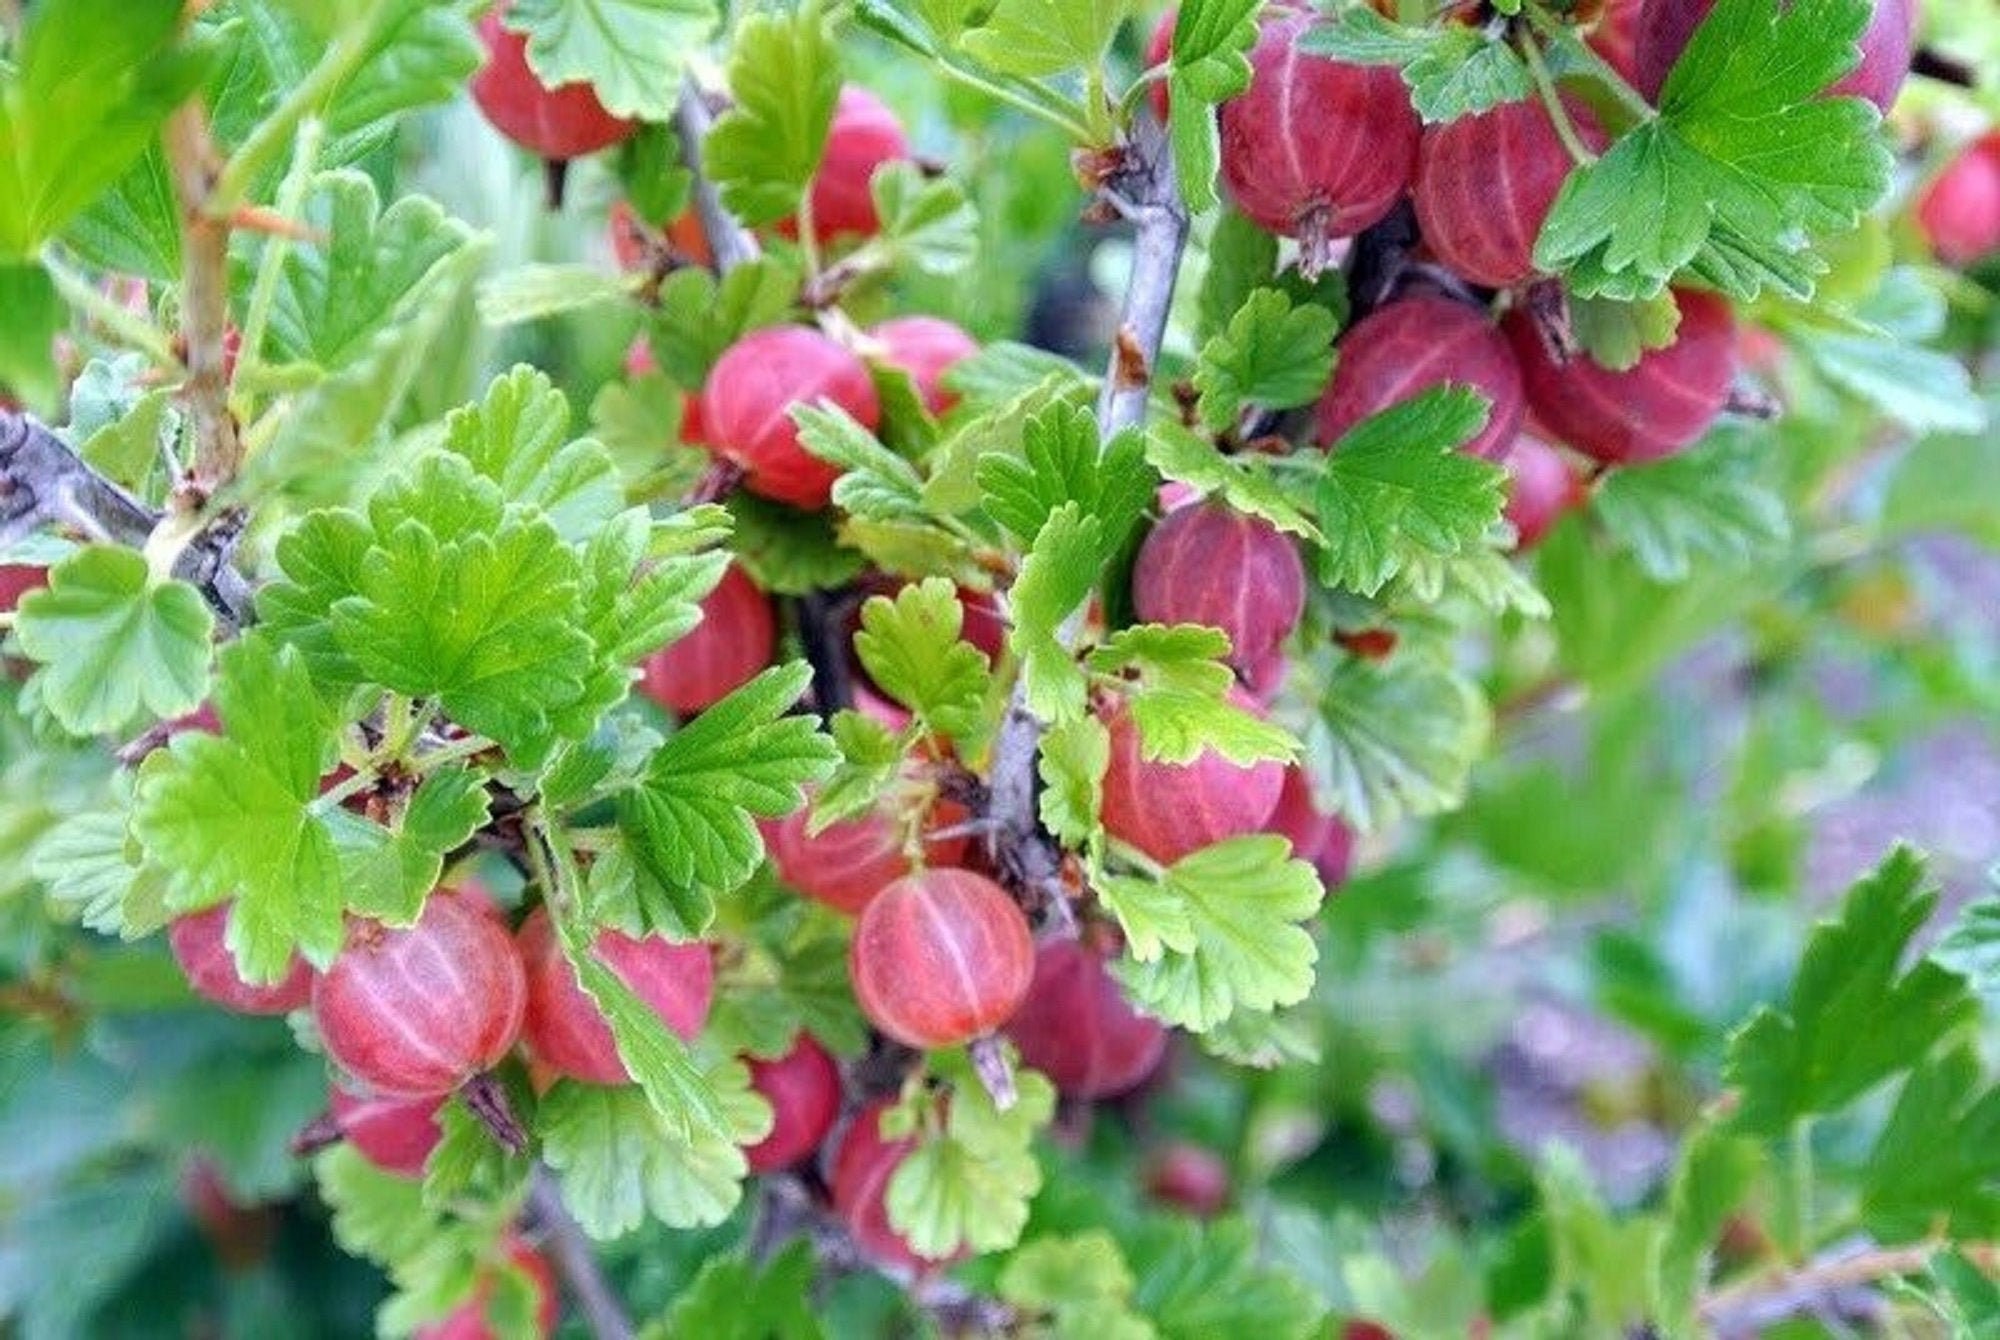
x,y
264,219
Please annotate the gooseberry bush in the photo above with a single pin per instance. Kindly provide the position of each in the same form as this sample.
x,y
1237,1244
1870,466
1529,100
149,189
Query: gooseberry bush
x,y
1028,668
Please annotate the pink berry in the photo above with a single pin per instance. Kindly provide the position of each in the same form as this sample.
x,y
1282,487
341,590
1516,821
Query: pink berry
x,y
1077,1027
1412,346
1210,564
862,1168
847,863
926,347
1191,1178
17,580
1160,49
1541,486
554,123
397,1135
1648,411
1168,810
199,942
864,135
1485,185
748,401
941,957
1316,149
803,1089
417,1011
1315,835
1614,35
1959,212
1665,27
736,638
468,1321
564,1028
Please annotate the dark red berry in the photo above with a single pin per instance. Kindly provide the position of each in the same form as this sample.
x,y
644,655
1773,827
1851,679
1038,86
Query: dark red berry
x,y
1210,564
1959,212
417,1011
554,123
1077,1027
564,1028
1665,27
748,401
862,1168
803,1089
1648,411
1485,185
736,638
1315,835
926,347
1614,36
200,944
16,580
397,1135
941,957
1412,346
1168,810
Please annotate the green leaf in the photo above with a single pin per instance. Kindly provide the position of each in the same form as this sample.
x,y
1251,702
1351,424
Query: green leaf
x,y
1210,65
1599,1259
698,318
875,482
1853,1018
784,74
1743,167
1616,335
1397,483
1244,898
870,755
787,553
1714,1177
1972,949
1935,1169
911,648
27,338
969,1185
1061,462
1179,698
90,85
1243,481
1072,763
928,224
90,864
1056,577
537,292
1396,739
388,872
689,816
1036,38
1272,356
1081,1284
112,641
1242,258
1719,503
735,1299
631,52
518,437
1198,1281
1453,70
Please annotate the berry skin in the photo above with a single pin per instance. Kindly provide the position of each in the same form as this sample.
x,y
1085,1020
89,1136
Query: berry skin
x,y
1413,345
17,580
1168,810
926,347
1077,1027
862,1168
1651,410
847,863
417,1011
1190,1178
736,638
941,957
553,123
1210,564
468,1320
1614,35
1485,185
748,400
864,135
1315,835
1959,212
199,942
1541,486
1159,48
803,1089
397,1135
1316,149
564,1028
1665,27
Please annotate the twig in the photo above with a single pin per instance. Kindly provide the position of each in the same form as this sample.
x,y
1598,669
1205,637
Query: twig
x,y
1828,1282
204,299
728,241
603,1312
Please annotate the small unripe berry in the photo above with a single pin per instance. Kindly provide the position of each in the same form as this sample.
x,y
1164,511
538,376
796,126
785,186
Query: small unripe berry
x,y
1414,345
864,135
1665,27
748,401
847,863
1210,564
1077,1027
564,1028
736,638
553,123
941,957
468,1321
199,942
397,1135
1316,149
926,347
803,1089
1485,185
1541,486
1189,1178
1168,810
1959,212
417,1011
860,1177
1653,409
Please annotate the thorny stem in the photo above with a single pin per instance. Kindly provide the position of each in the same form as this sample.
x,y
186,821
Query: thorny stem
x,y
728,241
1754,1304
204,298
602,1310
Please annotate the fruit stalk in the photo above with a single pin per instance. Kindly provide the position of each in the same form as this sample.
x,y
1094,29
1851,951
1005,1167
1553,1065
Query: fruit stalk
x,y
566,1245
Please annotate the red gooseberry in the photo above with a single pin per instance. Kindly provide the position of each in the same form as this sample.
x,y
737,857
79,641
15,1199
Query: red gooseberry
x,y
941,957
553,123
748,400
1665,27
397,1135
16,580
864,135
803,1089
926,347
1417,344
1190,1178
736,638
848,862
1211,564
862,1167
1541,486
200,945
1168,810
1959,212
1077,1027
566,1031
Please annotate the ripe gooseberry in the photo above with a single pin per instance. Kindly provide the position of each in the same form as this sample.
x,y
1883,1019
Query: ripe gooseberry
x,y
748,400
1211,564
848,862
926,347
1959,212
397,1135
553,123
564,1028
1614,35
1316,149
1159,50
1078,1028
1541,486
941,957
17,580
862,1167
1413,345
416,1011
1190,1178
736,638
1315,835
863,136
803,1089
468,1321
1665,27
1650,410
240,1233
1485,184
200,945
1168,810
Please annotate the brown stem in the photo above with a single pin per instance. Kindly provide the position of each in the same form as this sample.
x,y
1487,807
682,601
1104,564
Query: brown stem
x,y
995,1071
1934,64
1548,307
1751,1306
729,242
486,1100
602,1309
204,301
